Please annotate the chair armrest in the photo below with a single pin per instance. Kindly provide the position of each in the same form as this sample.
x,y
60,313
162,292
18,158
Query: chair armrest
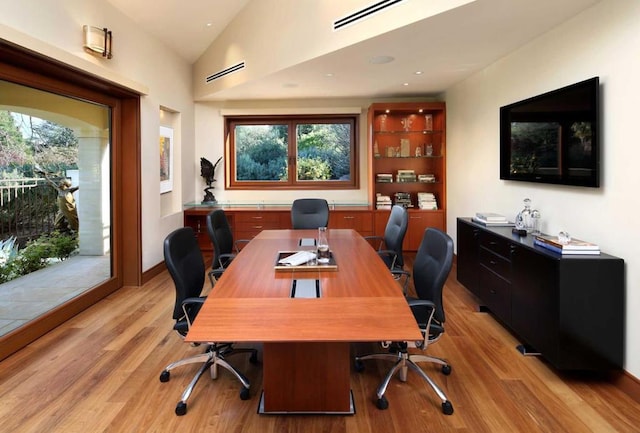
x,y
195,300
391,254
225,259
430,308
238,242
214,274
421,303
187,302
398,273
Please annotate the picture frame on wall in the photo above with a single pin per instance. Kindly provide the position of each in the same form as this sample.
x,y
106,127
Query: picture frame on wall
x,y
166,159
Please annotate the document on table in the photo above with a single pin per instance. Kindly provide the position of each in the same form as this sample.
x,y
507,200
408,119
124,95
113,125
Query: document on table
x,y
298,258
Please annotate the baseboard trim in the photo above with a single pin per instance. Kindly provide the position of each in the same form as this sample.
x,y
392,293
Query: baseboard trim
x,y
628,384
153,272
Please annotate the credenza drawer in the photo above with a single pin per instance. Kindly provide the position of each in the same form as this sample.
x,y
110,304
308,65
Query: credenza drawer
x,y
361,222
257,218
495,263
496,294
495,243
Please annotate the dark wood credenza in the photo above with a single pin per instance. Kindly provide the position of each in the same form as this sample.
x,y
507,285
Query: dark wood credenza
x,y
570,309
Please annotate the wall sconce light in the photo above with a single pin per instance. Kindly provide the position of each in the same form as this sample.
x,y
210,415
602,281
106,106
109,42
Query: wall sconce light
x,y
97,41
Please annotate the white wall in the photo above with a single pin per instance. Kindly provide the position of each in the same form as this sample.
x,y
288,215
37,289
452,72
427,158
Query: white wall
x,y
209,144
603,41
54,28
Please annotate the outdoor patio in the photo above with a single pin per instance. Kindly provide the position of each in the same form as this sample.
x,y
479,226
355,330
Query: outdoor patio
x,y
25,298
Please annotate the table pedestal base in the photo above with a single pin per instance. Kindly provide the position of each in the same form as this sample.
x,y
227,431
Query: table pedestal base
x,y
306,378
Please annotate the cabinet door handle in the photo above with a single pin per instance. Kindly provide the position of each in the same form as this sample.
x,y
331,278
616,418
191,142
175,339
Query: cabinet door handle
x,y
257,227
348,217
492,291
256,217
493,262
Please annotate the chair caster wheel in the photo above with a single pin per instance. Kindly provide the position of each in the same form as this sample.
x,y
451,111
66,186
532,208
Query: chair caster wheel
x,y
446,370
253,358
359,366
181,408
447,408
164,376
382,403
244,394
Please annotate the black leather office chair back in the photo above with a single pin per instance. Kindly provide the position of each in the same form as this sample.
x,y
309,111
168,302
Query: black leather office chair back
x,y
184,261
431,269
221,236
309,213
395,231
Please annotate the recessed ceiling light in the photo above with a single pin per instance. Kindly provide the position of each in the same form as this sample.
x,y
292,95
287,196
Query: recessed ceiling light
x,y
405,84
328,74
379,60
418,72
209,24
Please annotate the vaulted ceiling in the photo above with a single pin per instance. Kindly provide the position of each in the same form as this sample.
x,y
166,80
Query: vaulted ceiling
x,y
428,55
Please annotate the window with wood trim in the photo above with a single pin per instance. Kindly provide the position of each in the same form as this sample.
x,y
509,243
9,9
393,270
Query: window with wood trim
x,y
292,152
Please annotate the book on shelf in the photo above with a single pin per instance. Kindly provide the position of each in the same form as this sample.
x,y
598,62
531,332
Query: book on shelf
x,y
491,216
572,245
426,178
484,222
562,251
428,205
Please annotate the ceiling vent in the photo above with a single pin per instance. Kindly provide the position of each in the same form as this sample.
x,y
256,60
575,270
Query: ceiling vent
x,y
225,72
364,13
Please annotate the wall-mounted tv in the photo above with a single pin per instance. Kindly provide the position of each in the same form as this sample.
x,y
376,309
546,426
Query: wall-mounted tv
x,y
553,137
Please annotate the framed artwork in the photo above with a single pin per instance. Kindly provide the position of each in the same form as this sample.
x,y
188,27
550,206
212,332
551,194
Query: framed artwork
x,y
166,159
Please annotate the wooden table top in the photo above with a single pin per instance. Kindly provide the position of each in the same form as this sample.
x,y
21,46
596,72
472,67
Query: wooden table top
x,y
360,301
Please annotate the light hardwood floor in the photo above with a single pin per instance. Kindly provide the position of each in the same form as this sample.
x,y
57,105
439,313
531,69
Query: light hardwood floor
x,y
99,373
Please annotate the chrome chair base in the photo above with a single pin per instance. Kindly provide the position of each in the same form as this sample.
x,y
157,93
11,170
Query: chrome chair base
x,y
403,361
213,357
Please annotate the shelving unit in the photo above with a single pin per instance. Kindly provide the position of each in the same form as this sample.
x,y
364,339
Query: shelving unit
x,y
409,137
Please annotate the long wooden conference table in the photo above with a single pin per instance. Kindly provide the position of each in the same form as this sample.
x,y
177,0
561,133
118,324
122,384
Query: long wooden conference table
x,y
306,341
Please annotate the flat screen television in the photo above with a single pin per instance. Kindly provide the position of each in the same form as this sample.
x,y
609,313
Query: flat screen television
x,y
553,137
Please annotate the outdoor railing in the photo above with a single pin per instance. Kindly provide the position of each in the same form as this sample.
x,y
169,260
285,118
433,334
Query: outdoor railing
x,y
27,208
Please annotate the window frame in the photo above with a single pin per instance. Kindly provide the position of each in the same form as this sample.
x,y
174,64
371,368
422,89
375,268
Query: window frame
x,y
291,183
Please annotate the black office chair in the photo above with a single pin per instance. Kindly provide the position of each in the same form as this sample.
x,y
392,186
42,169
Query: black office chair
x,y
183,258
309,213
390,245
224,247
430,271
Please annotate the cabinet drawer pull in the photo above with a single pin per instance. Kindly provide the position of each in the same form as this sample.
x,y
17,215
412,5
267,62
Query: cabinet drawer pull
x,y
492,291
492,262
256,217
348,217
257,227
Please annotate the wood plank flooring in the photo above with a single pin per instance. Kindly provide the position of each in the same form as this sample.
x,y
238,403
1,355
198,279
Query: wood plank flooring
x,y
99,373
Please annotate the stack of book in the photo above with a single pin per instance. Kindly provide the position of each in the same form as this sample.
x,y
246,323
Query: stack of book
x,y
403,199
384,177
426,178
574,246
491,219
406,176
383,201
427,201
